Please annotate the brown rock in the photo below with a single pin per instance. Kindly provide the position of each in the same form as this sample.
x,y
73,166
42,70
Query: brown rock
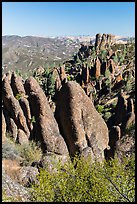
x,y
17,84
82,127
98,40
12,105
18,88
27,175
121,109
114,137
111,66
22,137
46,128
103,41
3,128
13,129
85,74
62,73
97,68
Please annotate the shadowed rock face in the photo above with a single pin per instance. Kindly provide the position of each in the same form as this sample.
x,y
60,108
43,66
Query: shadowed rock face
x,y
82,127
46,128
18,88
11,104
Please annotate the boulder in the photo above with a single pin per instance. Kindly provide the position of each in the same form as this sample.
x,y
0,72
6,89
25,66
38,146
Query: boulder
x,y
82,127
46,128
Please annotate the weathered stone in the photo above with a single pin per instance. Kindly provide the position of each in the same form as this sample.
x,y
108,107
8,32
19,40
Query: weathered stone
x,y
13,107
114,137
85,74
80,124
130,120
17,84
18,88
3,128
13,129
130,117
13,189
62,73
121,109
111,66
27,175
22,137
98,40
97,68
103,41
46,128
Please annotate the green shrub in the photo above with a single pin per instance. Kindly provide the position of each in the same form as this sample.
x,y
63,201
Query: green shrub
x,y
24,153
97,182
100,108
29,152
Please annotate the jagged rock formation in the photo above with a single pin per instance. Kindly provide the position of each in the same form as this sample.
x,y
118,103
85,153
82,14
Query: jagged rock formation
x,y
80,124
18,89
124,113
46,128
12,106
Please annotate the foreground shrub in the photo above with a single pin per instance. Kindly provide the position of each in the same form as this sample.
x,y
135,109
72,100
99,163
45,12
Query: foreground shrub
x,y
23,153
82,181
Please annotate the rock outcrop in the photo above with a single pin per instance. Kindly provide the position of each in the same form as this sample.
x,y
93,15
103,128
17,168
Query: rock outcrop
x,y
82,127
18,89
46,128
12,106
3,128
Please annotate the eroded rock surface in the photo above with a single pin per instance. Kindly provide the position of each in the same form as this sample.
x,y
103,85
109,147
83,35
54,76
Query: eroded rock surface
x,y
46,128
82,127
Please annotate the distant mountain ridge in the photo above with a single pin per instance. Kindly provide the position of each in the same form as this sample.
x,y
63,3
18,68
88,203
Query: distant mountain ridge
x,y
28,52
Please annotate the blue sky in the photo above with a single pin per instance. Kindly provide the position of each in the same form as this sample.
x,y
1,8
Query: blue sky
x,y
68,18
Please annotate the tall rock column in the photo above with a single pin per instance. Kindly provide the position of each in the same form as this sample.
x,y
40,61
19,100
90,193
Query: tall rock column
x,y
82,127
46,128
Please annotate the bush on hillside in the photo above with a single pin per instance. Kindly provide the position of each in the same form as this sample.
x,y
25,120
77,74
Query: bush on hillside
x,y
107,182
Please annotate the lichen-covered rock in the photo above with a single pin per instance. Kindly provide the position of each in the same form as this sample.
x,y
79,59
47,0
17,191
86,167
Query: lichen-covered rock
x,y
82,127
46,128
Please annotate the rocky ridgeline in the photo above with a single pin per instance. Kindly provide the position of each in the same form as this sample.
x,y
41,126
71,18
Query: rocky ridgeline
x,y
97,68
